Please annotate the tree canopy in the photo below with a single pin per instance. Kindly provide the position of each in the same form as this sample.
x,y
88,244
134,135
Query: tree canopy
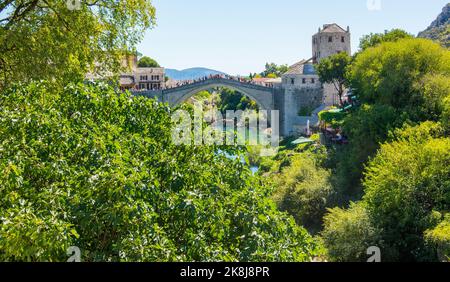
x,y
374,39
398,155
393,72
54,41
273,70
147,62
333,70
407,190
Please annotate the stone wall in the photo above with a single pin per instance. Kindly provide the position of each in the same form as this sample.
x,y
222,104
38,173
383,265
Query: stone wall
x,y
296,99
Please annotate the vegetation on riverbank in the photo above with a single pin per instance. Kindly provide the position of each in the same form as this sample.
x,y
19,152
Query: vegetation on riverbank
x,y
389,187
92,168
84,165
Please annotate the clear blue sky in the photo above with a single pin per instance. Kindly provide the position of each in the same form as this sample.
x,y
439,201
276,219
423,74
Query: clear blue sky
x,y
240,36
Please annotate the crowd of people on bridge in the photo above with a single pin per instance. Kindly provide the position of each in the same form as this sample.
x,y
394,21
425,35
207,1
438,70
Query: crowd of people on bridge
x,y
211,76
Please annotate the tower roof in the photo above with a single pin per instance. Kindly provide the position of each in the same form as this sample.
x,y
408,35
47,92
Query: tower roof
x,y
304,67
332,28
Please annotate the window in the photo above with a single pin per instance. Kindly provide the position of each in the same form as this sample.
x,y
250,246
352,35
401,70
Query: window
x,y
313,80
142,86
342,39
304,80
330,39
292,81
144,78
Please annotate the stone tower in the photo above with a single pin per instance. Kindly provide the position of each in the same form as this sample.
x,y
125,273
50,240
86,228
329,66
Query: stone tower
x,y
330,40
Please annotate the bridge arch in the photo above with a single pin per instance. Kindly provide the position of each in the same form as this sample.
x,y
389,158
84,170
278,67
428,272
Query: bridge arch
x,y
263,96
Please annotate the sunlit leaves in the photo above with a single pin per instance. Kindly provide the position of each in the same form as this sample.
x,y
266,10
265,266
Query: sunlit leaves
x,y
97,169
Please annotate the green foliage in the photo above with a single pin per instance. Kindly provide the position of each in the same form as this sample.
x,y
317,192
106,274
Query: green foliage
x,y
147,62
365,128
47,41
396,81
404,183
332,117
203,95
446,113
434,89
233,100
97,169
272,70
348,233
375,39
401,83
390,73
303,190
333,70
305,111
439,237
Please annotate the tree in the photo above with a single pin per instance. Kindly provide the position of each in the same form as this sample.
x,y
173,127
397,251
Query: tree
x,y
406,199
349,233
375,39
396,82
333,70
365,128
303,190
50,40
392,73
234,100
147,62
407,190
439,238
274,70
433,89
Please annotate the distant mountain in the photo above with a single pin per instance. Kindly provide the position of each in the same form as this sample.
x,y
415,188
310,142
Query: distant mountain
x,y
190,74
439,30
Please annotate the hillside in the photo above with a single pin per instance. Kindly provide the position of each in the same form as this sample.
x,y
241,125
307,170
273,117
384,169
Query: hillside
x,y
439,30
189,74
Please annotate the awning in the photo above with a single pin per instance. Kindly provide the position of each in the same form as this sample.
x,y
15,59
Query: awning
x,y
302,140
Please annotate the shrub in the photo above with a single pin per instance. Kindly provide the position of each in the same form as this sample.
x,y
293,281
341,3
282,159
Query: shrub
x,y
348,233
439,237
404,184
303,190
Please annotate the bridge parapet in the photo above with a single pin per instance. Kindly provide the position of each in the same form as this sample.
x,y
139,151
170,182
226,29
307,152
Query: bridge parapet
x,y
214,81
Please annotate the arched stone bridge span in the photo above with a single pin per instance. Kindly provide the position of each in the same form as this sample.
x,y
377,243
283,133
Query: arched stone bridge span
x,y
264,96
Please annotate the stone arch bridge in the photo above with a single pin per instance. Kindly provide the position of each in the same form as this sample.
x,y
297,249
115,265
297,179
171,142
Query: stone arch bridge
x,y
286,102
264,96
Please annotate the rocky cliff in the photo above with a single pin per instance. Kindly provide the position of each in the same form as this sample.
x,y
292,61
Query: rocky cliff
x,y
439,30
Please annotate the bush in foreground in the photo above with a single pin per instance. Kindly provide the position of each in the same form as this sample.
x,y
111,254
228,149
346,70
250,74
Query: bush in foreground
x,y
92,168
